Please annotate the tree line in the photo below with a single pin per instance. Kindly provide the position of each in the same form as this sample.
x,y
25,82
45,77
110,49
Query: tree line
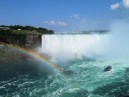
x,y
24,29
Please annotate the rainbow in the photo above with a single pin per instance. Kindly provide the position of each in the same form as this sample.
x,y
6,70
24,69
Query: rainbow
x,y
45,61
41,58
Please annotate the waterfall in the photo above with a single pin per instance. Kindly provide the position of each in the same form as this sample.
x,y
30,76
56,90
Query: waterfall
x,y
73,46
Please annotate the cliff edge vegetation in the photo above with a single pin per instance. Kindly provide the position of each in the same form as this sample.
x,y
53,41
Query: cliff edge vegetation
x,y
21,30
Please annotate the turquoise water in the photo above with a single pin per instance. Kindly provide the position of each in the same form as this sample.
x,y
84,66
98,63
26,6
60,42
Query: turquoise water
x,y
82,58
85,78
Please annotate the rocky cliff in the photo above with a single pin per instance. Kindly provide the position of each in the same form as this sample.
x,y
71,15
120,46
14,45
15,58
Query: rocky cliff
x,y
29,40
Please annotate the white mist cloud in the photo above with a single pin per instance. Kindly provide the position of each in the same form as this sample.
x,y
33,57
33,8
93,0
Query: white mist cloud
x,y
118,44
115,6
76,16
123,4
55,23
52,23
61,23
126,3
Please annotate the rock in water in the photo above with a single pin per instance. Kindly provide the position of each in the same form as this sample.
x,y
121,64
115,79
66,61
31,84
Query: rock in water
x,y
108,68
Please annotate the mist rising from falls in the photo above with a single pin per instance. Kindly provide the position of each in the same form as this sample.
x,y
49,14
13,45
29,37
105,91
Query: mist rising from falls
x,y
65,47
118,46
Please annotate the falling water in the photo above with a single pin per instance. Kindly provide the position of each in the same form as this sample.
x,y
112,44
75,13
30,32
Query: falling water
x,y
73,46
87,77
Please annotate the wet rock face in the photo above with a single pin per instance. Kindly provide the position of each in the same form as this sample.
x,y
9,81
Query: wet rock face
x,y
30,40
108,68
33,40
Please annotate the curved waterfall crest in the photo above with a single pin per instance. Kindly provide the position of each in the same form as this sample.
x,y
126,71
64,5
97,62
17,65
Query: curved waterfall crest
x,y
73,46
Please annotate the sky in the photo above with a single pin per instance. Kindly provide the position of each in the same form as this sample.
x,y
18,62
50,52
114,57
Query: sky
x,y
63,15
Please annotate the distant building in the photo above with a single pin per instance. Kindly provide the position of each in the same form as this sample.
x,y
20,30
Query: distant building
x,y
19,29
